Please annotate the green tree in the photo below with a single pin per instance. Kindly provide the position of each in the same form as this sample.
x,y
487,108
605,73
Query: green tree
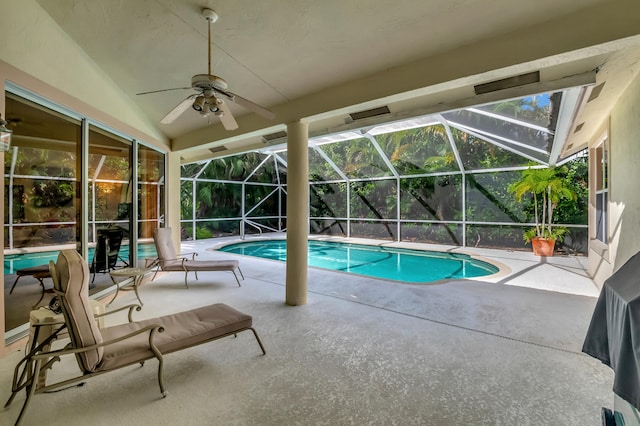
x,y
547,187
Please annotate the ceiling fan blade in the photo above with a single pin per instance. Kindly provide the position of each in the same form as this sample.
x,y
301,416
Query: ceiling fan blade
x,y
178,110
249,105
227,120
164,90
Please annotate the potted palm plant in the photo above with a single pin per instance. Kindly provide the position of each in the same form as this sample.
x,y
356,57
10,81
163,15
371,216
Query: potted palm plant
x,y
547,187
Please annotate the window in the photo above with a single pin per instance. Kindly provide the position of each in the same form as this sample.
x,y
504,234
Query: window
x,y
602,190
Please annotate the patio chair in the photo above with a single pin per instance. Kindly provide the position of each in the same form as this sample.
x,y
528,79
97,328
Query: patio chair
x,y
107,252
39,272
98,351
169,261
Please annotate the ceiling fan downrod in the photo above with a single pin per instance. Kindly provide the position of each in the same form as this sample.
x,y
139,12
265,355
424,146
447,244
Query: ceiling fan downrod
x,y
211,17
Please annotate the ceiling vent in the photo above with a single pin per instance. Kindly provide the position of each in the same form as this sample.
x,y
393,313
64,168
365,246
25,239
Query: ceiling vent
x,y
595,92
578,128
218,149
507,83
274,136
360,115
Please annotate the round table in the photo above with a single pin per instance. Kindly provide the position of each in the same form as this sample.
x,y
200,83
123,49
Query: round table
x,y
136,273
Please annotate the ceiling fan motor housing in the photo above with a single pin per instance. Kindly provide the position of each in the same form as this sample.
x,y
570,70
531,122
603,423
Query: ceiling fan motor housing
x,y
208,82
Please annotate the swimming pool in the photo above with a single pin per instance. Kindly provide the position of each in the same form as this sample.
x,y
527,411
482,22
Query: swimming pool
x,y
13,262
414,266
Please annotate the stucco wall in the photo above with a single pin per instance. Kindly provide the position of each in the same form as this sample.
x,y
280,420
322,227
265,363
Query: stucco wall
x,y
624,186
624,175
33,43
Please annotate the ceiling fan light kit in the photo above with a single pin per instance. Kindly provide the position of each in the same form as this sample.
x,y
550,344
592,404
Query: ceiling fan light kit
x,y
210,88
198,104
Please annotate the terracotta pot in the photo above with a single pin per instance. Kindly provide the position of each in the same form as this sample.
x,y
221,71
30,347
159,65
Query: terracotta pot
x,y
543,246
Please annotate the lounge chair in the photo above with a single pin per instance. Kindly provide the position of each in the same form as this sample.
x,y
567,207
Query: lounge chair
x,y
39,272
107,252
169,261
100,351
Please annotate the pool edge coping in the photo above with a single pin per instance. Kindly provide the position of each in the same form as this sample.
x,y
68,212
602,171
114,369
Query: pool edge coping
x,y
503,269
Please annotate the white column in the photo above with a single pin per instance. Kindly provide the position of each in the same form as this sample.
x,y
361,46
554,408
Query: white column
x,y
172,195
297,212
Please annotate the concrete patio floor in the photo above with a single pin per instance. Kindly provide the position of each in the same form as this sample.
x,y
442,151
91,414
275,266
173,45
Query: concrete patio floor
x,y
504,350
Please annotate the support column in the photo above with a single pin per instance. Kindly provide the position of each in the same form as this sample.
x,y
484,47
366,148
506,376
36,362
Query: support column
x,y
297,212
172,197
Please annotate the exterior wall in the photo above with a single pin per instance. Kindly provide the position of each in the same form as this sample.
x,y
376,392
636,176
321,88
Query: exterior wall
x,y
624,197
35,44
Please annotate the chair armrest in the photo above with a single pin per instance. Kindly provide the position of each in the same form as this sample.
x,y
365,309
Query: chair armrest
x,y
150,263
170,260
161,262
129,315
46,323
68,350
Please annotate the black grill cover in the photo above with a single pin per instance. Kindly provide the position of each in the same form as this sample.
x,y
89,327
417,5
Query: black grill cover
x,y
614,332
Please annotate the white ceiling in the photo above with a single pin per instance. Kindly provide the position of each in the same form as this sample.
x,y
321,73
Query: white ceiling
x,y
318,60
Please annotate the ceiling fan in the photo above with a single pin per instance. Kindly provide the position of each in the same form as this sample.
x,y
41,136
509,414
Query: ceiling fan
x,y
212,94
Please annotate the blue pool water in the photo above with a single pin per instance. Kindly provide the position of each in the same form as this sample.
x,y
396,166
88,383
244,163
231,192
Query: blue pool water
x,y
415,266
13,262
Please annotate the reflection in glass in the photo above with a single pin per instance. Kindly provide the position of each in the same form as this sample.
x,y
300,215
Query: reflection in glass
x,y
150,191
109,186
41,198
40,179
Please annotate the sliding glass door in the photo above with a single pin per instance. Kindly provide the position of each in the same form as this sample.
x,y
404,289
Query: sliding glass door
x,y
61,163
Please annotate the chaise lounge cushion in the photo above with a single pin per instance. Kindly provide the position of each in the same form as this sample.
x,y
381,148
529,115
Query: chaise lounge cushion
x,y
166,251
181,330
84,331
211,265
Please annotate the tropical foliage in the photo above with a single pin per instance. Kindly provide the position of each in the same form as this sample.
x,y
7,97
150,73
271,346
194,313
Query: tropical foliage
x,y
547,187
